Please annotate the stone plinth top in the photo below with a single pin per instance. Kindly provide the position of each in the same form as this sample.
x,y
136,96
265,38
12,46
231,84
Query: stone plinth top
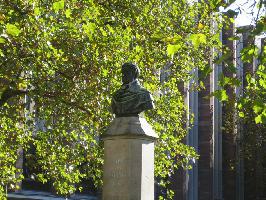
x,y
130,127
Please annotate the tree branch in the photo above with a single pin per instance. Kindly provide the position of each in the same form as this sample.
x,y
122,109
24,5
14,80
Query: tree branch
x,y
69,103
9,93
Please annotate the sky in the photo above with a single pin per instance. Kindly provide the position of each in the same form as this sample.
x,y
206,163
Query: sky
x,y
247,11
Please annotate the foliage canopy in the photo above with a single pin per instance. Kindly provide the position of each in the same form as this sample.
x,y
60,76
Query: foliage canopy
x,y
60,61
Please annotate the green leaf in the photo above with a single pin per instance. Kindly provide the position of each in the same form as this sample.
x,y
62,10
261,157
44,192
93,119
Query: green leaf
x,y
198,39
223,80
241,114
221,95
258,119
2,40
248,53
260,27
231,13
37,11
222,58
13,30
89,29
59,5
1,53
262,83
241,29
234,38
68,13
172,49
258,108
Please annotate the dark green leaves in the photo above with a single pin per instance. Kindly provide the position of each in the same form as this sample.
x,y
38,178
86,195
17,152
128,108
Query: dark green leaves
x,y
249,53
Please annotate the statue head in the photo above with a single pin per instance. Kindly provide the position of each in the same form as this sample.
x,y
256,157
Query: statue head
x,y
131,99
130,72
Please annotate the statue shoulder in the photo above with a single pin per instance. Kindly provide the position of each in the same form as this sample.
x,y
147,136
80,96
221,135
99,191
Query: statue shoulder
x,y
146,94
143,90
117,93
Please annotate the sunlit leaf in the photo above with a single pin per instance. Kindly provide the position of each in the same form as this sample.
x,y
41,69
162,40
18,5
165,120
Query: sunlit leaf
x,y
172,49
59,5
68,13
2,40
12,29
198,39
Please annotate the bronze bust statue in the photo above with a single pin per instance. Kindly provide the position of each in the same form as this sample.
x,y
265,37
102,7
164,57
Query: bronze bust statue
x,y
131,99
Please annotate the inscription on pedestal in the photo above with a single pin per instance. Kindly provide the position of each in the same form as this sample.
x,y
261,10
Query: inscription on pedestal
x,y
118,172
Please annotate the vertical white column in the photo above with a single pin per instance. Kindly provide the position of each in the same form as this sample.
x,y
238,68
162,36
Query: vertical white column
x,y
238,127
192,137
216,123
258,44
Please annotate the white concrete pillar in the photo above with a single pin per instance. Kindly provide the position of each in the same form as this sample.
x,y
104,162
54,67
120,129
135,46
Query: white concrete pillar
x,y
129,160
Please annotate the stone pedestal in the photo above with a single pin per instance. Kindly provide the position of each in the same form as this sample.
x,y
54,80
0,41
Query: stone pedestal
x,y
129,160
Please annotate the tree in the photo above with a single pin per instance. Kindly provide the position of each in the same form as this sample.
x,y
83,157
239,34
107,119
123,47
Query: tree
x,y
59,63
254,91
244,116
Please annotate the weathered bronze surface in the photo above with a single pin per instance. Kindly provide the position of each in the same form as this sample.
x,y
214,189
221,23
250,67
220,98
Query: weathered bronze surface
x,y
131,99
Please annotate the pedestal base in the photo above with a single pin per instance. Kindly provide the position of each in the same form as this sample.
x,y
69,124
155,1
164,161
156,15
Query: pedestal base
x,y
129,162
128,170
